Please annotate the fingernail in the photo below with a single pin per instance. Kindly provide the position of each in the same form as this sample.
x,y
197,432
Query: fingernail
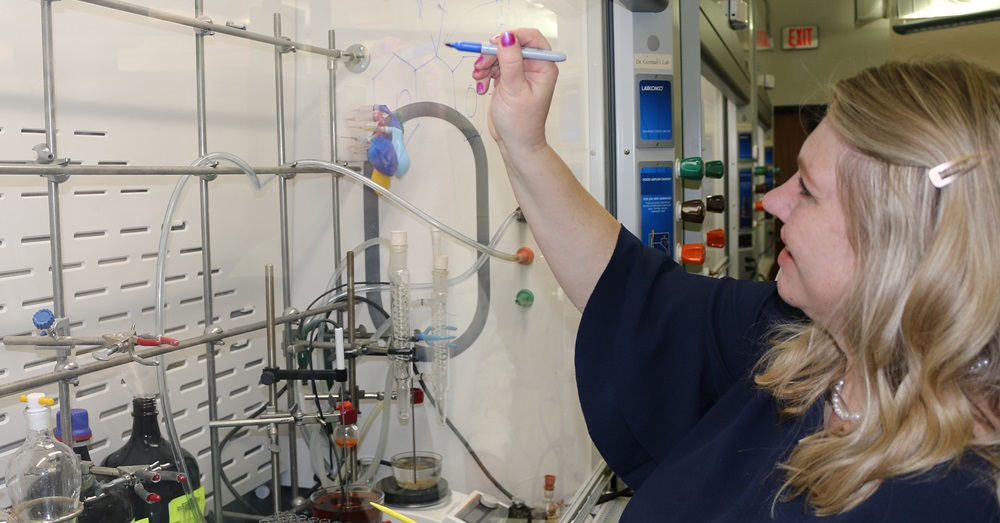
x,y
480,59
480,88
507,39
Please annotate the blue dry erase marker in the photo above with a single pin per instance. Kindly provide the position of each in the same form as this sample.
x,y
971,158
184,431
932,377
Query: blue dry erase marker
x,y
528,52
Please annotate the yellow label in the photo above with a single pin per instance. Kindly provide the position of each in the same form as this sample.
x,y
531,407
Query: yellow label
x,y
182,512
143,520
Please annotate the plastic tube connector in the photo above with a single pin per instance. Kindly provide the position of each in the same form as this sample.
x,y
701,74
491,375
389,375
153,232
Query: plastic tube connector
x,y
37,401
525,256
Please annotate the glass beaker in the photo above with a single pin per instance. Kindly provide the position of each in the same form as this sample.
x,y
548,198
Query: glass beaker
x,y
416,470
330,503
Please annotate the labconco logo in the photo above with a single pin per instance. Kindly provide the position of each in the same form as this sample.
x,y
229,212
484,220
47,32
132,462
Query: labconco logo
x,y
652,88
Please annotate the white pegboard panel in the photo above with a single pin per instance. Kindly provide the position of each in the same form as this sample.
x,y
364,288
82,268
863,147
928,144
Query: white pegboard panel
x,y
125,96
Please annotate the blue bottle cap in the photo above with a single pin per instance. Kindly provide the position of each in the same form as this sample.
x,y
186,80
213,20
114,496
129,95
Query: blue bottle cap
x,y
43,319
81,425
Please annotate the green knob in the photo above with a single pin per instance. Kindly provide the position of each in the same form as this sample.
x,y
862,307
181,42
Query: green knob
x,y
715,169
692,168
760,169
525,298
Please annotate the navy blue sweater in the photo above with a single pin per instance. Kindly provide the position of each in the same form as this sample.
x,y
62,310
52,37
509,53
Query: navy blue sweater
x,y
664,366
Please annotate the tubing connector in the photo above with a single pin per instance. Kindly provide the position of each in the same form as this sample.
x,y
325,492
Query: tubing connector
x,y
525,256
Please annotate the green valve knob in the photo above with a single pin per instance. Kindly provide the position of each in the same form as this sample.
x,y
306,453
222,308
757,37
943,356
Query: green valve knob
x,y
760,169
525,298
715,169
692,168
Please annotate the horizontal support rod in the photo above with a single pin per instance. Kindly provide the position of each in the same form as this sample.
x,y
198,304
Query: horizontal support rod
x,y
130,170
260,422
121,359
55,342
224,29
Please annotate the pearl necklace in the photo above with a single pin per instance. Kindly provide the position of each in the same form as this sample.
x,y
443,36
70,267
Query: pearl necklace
x,y
837,402
837,394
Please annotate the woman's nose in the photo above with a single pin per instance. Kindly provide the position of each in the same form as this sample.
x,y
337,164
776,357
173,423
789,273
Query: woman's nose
x,y
776,201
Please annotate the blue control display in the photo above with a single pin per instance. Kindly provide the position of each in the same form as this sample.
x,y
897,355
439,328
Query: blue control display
x,y
656,111
657,200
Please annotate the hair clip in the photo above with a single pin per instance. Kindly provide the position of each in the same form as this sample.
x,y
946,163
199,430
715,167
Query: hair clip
x,y
945,173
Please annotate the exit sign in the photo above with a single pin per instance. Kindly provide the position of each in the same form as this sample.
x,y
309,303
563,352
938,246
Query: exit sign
x,y
800,37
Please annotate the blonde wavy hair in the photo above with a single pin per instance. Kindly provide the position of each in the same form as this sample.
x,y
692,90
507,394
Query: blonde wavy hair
x,y
923,309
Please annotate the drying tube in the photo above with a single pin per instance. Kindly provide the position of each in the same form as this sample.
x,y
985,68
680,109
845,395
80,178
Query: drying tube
x,y
439,331
399,300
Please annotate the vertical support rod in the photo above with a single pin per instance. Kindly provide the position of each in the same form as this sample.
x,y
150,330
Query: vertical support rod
x,y
55,232
337,248
272,389
199,57
206,264
352,364
286,286
687,98
754,106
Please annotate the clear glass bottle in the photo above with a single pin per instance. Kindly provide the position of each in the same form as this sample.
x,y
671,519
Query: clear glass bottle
x,y
43,476
146,446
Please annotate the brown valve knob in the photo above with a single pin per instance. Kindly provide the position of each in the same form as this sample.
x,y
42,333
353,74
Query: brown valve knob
x,y
693,211
761,188
715,203
693,254
716,238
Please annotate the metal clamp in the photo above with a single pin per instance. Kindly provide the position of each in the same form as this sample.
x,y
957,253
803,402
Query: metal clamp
x,y
205,32
284,49
212,176
116,342
45,156
215,330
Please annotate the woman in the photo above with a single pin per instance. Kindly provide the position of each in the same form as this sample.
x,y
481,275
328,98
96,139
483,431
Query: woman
x,y
865,384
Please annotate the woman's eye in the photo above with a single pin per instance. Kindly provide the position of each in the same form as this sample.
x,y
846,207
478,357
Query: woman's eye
x,y
803,191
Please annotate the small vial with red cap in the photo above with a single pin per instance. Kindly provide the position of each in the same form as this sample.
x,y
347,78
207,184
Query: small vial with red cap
x,y
553,508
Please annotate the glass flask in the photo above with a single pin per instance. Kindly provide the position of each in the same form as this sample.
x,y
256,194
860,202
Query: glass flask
x,y
43,475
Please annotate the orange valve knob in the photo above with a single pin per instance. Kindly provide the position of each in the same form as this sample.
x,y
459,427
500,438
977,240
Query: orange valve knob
x,y
525,256
716,238
759,206
693,254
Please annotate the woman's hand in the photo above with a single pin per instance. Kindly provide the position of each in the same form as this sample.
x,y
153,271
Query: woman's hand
x,y
522,90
